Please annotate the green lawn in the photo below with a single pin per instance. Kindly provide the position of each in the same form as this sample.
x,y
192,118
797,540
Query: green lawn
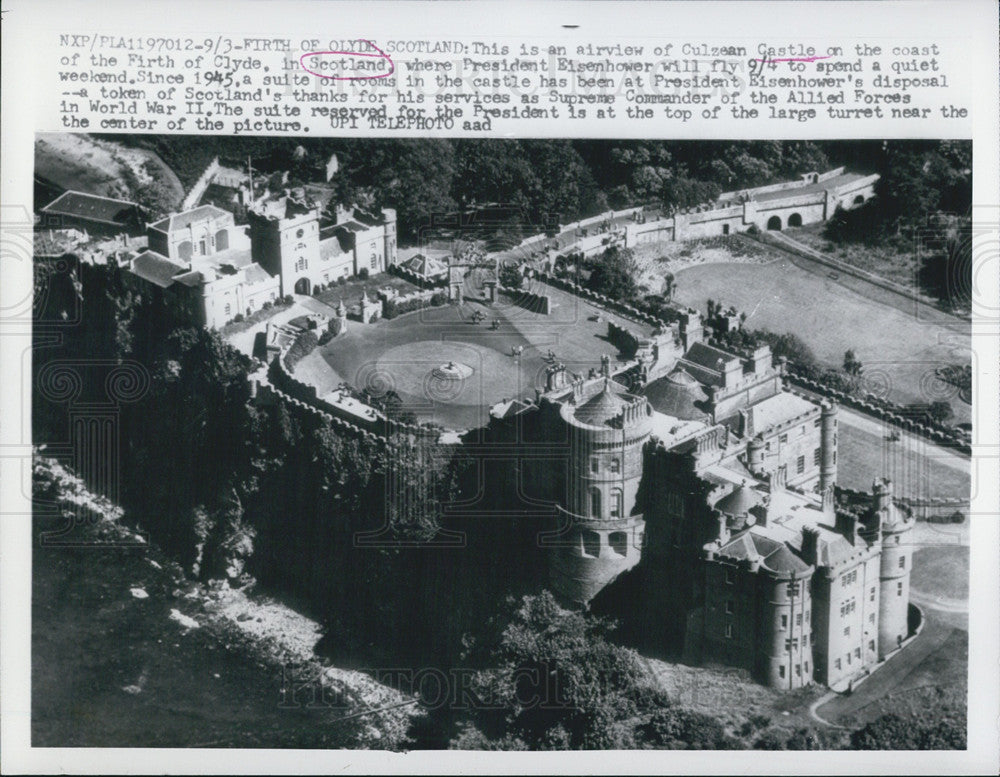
x,y
942,570
901,343
350,292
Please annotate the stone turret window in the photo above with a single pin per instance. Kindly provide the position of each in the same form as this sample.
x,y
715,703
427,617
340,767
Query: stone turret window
x,y
729,607
730,577
902,562
781,672
616,503
816,457
615,465
591,544
899,589
619,542
595,465
729,631
784,622
800,465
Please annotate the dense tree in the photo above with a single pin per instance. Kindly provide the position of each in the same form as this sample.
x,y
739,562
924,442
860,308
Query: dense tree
x,y
615,274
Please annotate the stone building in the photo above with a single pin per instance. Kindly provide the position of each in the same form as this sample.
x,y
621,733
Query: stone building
x,y
288,242
200,262
713,488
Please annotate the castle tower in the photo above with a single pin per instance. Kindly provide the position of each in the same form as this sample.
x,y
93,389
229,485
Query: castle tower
x,y
389,222
894,574
284,240
828,446
603,531
785,660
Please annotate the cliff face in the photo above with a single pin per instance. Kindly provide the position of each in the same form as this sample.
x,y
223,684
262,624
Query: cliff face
x,y
128,652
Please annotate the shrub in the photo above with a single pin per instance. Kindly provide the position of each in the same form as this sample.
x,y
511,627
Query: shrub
x,y
267,305
303,345
287,300
342,280
363,273
326,337
237,318
438,299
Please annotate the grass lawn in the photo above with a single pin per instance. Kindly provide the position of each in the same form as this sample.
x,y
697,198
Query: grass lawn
x,y
917,468
942,570
902,345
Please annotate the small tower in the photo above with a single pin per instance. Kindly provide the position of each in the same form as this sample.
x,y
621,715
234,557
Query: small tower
x,y
894,574
828,446
342,317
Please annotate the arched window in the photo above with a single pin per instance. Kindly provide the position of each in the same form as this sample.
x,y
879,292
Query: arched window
x,y
795,220
185,249
774,223
615,466
619,542
222,240
591,544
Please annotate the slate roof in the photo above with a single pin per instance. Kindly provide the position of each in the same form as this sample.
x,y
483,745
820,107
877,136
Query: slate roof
x,y
156,268
601,408
184,220
92,207
677,394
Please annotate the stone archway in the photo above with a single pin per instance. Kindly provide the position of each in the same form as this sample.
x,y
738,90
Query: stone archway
x,y
795,220
774,223
302,286
859,200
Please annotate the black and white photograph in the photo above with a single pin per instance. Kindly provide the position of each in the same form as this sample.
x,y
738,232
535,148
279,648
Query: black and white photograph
x,y
488,444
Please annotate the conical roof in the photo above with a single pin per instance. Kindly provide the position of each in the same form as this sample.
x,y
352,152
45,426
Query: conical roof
x,y
739,501
678,395
601,407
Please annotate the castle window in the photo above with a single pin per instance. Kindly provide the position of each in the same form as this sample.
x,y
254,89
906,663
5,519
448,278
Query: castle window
x,y
847,631
781,672
798,619
792,644
798,670
871,617
848,658
871,644
899,589
871,595
374,260
730,577
807,667
816,459
616,503
837,663
595,502
902,562
835,454
793,589
595,466
807,616
729,606
300,233
803,432
615,466
591,544
800,465
784,622
619,542
729,631
783,439
857,652
816,422
229,309
805,640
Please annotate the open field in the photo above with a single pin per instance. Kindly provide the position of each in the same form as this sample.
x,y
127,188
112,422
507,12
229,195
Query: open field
x,y
401,354
899,346
942,570
917,468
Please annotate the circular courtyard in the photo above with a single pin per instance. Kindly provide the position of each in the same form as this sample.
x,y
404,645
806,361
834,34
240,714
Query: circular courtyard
x,y
449,365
